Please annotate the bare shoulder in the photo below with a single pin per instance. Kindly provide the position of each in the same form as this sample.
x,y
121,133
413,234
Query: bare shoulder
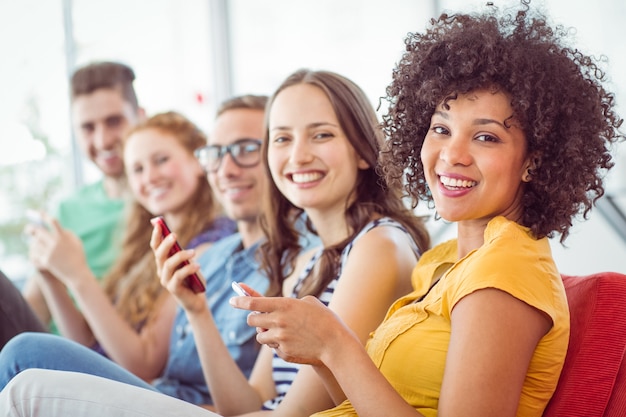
x,y
384,240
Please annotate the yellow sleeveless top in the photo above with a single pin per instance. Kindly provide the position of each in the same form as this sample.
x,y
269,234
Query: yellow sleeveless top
x,y
411,344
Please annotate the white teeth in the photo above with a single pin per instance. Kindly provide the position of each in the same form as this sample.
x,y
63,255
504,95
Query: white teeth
x,y
456,183
157,192
107,154
233,190
306,177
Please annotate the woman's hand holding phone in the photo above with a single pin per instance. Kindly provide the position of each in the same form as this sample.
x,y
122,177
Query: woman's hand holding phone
x,y
175,267
300,330
193,281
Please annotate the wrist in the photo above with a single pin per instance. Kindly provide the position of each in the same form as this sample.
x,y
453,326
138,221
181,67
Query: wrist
x,y
197,313
344,346
80,281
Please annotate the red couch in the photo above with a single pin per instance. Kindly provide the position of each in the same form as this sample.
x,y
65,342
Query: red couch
x,y
593,380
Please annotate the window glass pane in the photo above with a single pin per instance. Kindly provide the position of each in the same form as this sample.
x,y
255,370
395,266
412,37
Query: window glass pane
x,y
35,151
356,38
166,43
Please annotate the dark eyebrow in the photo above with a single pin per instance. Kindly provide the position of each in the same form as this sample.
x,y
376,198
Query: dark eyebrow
x,y
480,122
442,114
309,126
477,122
318,124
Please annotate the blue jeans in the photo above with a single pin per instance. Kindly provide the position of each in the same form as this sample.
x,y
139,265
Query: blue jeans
x,y
48,351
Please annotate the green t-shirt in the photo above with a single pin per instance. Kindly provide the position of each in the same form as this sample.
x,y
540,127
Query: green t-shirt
x,y
98,221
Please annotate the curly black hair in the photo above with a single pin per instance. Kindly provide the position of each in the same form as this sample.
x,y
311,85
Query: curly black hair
x,y
556,95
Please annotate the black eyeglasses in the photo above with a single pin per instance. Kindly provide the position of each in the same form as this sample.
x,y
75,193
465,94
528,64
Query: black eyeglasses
x,y
246,153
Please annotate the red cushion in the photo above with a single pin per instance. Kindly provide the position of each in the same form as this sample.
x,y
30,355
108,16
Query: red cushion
x,y
597,344
617,403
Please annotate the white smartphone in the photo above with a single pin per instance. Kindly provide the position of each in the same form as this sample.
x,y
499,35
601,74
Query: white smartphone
x,y
239,289
35,218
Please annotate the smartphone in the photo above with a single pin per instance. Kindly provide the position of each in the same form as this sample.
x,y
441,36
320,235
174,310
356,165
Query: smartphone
x,y
239,289
193,282
35,218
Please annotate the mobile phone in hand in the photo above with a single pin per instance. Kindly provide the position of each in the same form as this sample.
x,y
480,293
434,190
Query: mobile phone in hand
x,y
239,289
193,282
35,218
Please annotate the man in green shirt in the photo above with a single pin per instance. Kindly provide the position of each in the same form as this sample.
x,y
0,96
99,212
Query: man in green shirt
x,y
104,106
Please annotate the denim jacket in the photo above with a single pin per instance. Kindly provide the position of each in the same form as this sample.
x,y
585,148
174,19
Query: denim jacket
x,y
223,263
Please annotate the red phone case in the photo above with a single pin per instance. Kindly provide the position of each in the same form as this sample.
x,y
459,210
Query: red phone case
x,y
193,282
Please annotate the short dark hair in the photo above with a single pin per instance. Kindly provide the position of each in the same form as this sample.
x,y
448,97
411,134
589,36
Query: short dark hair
x,y
248,101
104,74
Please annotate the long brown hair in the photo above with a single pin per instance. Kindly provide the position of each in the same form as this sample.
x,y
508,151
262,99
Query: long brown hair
x,y
372,195
132,282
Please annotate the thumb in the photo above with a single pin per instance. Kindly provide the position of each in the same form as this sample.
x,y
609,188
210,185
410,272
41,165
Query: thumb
x,y
52,223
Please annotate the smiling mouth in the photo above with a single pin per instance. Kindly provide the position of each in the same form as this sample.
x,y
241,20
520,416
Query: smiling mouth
x,y
455,183
158,192
235,190
107,154
303,178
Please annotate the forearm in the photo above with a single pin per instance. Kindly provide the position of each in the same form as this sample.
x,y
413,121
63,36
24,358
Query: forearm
x,y
330,383
230,390
122,343
307,395
33,295
68,318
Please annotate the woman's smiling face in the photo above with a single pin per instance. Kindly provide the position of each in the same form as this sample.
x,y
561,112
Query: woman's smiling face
x,y
475,158
312,162
162,174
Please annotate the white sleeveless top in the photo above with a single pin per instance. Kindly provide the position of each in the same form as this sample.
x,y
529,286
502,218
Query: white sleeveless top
x,y
284,372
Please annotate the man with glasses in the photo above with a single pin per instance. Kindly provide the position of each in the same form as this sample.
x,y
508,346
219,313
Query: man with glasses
x,y
245,153
232,161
